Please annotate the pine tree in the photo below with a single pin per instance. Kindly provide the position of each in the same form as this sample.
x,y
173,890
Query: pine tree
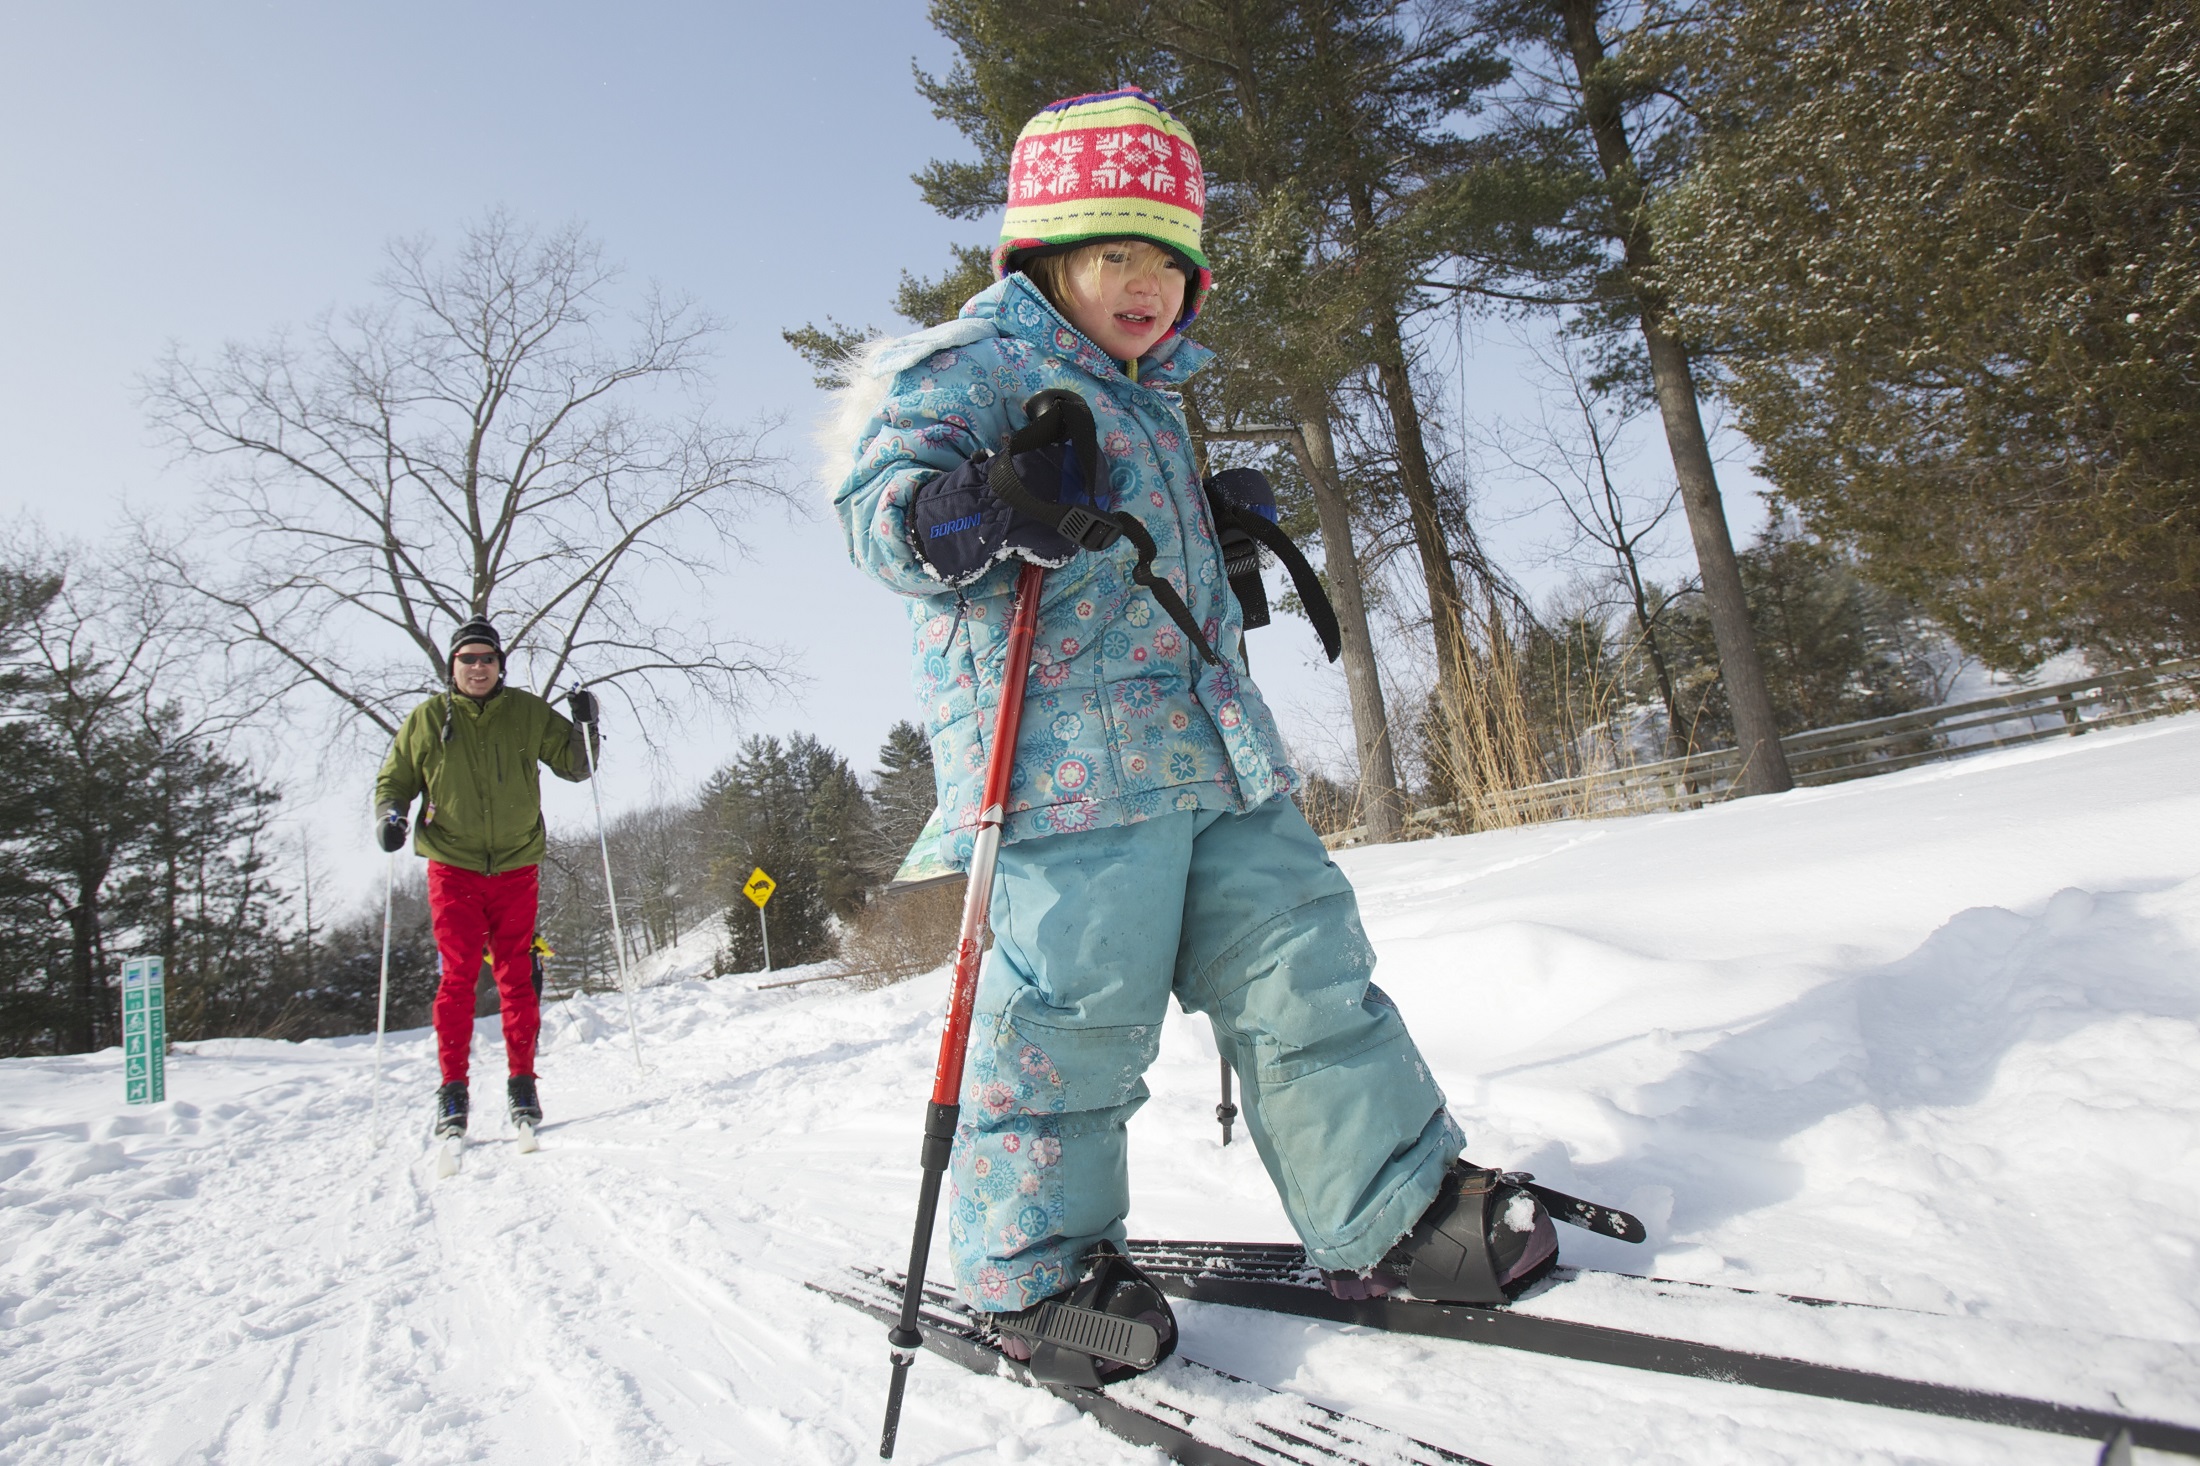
x,y
123,831
198,892
902,798
796,811
1953,255
1320,268
1560,214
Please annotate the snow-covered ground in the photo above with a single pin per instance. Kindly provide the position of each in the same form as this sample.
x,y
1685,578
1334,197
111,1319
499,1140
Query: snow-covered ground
x,y
1930,1040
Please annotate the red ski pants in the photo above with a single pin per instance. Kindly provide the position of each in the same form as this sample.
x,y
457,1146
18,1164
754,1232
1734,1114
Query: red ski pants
x,y
471,912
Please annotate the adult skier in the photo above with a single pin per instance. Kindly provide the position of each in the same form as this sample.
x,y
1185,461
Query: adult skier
x,y
1150,843
473,750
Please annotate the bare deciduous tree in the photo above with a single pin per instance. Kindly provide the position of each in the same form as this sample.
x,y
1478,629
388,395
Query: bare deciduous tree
x,y
475,443
1574,460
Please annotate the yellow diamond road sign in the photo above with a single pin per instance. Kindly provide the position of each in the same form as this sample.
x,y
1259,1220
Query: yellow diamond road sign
x,y
760,887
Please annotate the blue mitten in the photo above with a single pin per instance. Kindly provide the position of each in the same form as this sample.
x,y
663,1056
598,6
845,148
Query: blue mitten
x,y
962,528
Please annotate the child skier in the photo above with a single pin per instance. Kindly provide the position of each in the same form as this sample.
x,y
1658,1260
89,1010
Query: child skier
x,y
1150,845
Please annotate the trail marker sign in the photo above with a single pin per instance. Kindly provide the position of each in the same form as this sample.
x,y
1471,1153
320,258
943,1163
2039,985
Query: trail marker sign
x,y
759,889
144,1031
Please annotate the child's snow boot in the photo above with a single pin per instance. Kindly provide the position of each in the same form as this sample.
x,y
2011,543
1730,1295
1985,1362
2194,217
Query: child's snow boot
x,y
1112,1324
519,1091
450,1111
1481,1241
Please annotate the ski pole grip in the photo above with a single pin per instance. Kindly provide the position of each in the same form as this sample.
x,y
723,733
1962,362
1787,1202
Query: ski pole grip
x,y
939,1134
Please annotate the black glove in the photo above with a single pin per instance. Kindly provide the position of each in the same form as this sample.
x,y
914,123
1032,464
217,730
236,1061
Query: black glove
x,y
1246,489
963,532
389,830
581,705
962,528
1244,508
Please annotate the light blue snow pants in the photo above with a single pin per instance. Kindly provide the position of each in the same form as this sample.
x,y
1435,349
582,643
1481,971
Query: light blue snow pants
x,y
1243,918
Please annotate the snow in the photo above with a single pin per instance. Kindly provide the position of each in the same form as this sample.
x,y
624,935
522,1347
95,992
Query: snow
x,y
1975,683
688,958
1929,1041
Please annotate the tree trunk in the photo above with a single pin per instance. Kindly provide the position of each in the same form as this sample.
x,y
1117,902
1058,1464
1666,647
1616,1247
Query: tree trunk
x,y
1640,595
1382,803
1756,731
89,1025
1417,480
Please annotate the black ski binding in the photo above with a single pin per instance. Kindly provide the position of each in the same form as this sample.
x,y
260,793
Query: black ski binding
x,y
1116,1322
1086,1331
1606,1221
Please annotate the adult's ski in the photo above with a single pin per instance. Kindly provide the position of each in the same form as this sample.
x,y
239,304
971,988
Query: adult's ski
x,y
1188,1411
1276,1278
450,1151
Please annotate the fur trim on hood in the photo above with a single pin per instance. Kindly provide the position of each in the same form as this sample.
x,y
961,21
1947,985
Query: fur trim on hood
x,y
871,371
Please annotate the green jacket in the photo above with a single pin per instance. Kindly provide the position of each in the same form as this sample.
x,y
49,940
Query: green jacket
x,y
484,809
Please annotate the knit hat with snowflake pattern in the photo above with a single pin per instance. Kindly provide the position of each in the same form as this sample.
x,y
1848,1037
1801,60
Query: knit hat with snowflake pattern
x,y
1112,165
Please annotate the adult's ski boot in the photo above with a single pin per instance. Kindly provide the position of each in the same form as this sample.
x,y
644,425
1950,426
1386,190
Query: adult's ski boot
x,y
1482,1240
1112,1324
450,1128
450,1112
526,1109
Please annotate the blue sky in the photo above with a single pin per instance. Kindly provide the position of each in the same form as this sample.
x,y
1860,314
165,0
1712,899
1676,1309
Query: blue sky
x,y
212,172
194,174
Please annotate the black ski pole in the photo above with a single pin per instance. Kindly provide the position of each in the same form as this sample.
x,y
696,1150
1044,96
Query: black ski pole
x,y
1225,1112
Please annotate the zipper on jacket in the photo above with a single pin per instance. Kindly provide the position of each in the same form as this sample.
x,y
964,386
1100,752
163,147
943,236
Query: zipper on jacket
x,y
488,794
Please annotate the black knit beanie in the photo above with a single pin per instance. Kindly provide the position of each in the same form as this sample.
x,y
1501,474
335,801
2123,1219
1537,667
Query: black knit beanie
x,y
479,630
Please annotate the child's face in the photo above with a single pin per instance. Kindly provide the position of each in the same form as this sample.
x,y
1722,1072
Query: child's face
x,y
1124,309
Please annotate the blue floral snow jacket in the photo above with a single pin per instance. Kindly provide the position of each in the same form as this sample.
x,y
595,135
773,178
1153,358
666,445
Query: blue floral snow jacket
x,y
1122,719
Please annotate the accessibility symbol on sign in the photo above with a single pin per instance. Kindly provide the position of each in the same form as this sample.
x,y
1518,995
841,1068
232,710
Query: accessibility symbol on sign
x,y
144,1031
760,887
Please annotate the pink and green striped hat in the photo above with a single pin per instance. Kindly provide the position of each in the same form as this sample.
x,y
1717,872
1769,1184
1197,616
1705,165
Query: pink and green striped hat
x,y
1111,165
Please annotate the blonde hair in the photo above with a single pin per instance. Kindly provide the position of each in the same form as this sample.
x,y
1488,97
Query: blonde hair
x,y
1053,273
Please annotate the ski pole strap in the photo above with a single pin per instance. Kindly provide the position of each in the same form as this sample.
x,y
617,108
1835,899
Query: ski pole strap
x,y
1052,417
1086,528
1303,579
1164,594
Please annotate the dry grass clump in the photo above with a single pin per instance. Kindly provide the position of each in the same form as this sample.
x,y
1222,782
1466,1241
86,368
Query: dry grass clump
x,y
1484,743
902,933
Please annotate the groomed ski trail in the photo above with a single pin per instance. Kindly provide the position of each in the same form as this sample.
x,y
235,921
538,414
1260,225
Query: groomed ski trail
x,y
629,1293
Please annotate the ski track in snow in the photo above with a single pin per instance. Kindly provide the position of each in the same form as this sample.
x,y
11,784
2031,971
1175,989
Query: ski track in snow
x,y
1925,1041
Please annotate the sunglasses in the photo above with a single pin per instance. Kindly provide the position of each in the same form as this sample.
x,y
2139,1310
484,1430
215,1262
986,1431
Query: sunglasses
x,y
484,659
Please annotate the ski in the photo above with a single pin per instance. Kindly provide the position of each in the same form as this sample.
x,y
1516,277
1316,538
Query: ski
x,y
1190,1412
1285,1262
528,1145
1276,1278
449,1151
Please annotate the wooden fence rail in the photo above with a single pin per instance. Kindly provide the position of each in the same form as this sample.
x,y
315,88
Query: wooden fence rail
x,y
1831,755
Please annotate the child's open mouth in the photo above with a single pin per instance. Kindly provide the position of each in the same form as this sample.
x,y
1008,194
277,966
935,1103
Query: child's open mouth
x,y
1136,320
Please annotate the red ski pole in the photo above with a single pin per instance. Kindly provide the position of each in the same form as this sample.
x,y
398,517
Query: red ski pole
x,y
941,1115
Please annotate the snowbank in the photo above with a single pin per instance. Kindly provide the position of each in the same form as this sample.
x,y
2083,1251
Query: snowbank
x,y
1927,1041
